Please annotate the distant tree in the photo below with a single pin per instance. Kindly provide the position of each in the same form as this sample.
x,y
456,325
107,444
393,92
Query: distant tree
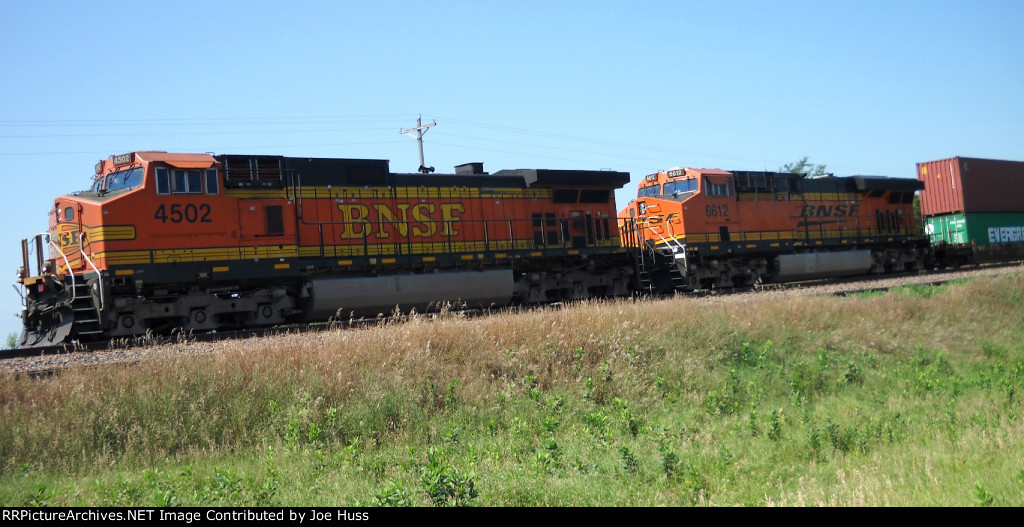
x,y
803,166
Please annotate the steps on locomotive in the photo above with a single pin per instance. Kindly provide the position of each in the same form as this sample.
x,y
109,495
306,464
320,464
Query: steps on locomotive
x,y
86,317
645,265
679,282
643,274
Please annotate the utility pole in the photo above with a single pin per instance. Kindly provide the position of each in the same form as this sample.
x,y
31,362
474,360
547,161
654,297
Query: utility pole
x,y
419,131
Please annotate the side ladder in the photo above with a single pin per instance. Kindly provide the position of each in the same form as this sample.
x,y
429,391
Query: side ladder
x,y
86,316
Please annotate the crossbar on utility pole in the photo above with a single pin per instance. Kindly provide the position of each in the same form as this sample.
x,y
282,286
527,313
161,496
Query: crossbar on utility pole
x,y
419,131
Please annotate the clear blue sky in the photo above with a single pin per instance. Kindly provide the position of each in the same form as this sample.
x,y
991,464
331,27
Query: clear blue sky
x,y
865,87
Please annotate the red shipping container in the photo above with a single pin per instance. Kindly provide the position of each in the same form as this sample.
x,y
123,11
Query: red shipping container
x,y
970,185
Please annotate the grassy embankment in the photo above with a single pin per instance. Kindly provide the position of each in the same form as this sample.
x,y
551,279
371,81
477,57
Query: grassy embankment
x,y
911,397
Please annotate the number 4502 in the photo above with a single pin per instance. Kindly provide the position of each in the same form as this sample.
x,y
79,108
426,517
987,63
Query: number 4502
x,y
178,213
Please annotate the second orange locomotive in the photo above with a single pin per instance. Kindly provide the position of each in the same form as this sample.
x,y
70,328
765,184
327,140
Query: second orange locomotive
x,y
703,228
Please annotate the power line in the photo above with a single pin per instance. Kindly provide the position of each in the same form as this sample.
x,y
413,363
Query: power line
x,y
220,132
376,122
206,148
184,121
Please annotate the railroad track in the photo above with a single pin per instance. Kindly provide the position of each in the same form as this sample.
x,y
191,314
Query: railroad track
x,y
50,359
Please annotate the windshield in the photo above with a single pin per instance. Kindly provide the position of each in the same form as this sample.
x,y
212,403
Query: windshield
x,y
131,178
679,187
645,192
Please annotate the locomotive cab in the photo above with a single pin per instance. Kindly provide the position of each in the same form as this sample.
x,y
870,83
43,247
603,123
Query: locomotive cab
x,y
668,202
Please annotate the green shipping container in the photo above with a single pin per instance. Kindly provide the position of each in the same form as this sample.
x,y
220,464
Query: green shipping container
x,y
979,228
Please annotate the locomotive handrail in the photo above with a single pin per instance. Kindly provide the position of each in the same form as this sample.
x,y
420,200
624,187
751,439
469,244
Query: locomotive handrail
x,y
486,225
81,248
66,262
678,246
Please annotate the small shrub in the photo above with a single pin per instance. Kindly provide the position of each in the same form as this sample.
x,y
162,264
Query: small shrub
x,y
598,423
669,459
747,355
629,462
445,485
392,494
982,497
268,490
43,496
775,426
853,375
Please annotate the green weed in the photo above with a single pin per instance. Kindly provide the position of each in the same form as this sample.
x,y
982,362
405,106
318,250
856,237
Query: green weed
x,y
445,485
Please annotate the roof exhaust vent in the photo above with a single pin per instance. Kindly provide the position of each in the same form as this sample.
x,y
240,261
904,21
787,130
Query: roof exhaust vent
x,y
470,169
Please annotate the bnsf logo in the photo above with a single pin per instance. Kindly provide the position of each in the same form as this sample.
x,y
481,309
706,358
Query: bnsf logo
x,y
830,211
419,220
68,238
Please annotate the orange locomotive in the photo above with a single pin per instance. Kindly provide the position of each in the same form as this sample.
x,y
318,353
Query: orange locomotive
x,y
165,241
703,228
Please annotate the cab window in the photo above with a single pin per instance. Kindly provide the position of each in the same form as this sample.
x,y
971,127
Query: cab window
x,y
723,189
190,181
186,182
211,181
